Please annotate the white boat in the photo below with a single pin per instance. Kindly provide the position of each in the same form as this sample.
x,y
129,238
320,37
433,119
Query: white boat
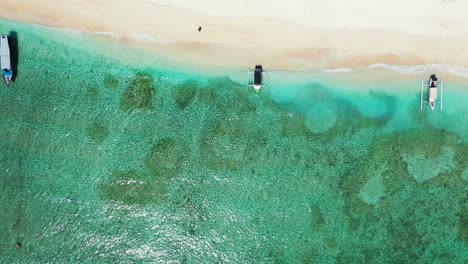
x,y
5,59
432,92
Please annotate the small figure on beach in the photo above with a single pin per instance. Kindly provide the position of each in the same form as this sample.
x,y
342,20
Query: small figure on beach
x,y
199,28
18,245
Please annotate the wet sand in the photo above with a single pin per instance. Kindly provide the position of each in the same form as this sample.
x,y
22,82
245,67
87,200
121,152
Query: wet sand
x,y
286,35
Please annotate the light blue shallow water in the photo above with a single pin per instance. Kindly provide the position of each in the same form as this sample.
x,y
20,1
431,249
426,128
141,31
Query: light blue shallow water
x,y
104,161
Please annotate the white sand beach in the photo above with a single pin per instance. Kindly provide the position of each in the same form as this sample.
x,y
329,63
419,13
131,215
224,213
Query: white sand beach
x,y
293,34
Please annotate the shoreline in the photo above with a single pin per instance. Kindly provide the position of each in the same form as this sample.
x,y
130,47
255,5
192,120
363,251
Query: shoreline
x,y
216,67
234,38
171,56
140,55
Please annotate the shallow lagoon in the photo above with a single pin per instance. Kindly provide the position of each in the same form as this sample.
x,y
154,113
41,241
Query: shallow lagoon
x,y
104,161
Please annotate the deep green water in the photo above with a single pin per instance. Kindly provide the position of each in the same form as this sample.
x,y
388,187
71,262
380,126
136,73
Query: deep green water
x,y
103,161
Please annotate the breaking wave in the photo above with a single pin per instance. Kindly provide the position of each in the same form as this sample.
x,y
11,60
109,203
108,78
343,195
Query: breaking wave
x,y
447,68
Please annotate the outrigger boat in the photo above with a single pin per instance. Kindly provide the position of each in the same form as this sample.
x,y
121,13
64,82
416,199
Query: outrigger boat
x,y
258,73
432,93
5,60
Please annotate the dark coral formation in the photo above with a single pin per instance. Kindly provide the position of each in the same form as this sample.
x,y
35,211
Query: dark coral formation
x,y
130,187
92,93
386,214
139,94
97,132
110,81
217,173
185,93
164,162
166,158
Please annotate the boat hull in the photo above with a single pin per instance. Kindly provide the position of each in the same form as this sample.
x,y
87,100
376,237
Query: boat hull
x,y
257,88
5,60
432,91
7,76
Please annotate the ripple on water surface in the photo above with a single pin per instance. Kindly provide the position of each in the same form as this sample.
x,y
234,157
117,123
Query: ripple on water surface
x,y
105,161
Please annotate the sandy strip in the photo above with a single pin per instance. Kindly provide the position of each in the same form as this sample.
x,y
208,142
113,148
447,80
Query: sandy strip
x,y
292,34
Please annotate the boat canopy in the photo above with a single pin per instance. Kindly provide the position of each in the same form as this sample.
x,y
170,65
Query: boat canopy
x,y
432,94
258,75
5,53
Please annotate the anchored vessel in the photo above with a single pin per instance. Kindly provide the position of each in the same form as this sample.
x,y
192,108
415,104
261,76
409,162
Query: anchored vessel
x,y
5,60
258,73
432,93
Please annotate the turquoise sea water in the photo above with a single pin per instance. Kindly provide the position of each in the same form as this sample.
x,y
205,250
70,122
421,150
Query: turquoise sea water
x,y
103,161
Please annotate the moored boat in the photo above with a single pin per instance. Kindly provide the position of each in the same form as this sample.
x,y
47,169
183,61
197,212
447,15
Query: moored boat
x,y
432,91
5,59
258,81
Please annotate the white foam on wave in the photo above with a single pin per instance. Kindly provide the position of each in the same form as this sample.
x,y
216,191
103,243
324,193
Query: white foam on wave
x,y
338,70
83,31
144,37
140,37
417,69
134,36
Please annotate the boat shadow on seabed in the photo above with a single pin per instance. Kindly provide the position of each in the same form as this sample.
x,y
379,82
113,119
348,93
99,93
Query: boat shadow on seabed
x,y
14,51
